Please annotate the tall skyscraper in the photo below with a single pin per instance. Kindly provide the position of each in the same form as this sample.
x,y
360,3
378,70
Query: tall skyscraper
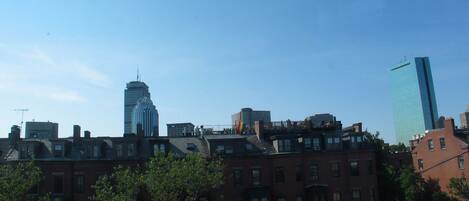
x,y
465,118
413,98
145,113
135,91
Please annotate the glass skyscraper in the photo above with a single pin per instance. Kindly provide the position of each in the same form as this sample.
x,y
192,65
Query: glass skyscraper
x,y
145,113
413,97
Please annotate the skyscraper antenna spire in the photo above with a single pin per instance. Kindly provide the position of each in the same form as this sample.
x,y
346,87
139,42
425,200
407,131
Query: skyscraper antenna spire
x,y
138,74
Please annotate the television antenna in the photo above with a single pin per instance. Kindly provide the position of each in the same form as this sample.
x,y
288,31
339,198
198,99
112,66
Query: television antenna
x,y
22,110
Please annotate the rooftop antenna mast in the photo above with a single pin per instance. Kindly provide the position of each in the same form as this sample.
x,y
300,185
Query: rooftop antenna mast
x,y
138,74
22,110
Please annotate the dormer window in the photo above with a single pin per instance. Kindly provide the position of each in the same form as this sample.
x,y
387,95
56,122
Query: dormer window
x,y
131,149
159,148
58,147
307,143
248,147
229,149
284,145
316,144
119,152
220,149
96,151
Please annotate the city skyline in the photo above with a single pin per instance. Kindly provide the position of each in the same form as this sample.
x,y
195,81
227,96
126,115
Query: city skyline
x,y
210,60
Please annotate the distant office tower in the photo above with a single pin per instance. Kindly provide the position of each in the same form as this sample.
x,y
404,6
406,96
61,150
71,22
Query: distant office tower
x,y
180,129
244,121
413,97
319,120
42,130
135,91
145,113
465,118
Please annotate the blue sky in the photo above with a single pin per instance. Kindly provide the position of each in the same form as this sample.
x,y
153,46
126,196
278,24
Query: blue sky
x,y
204,60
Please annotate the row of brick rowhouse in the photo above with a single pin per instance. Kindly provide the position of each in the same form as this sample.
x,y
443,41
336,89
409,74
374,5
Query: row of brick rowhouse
x,y
281,161
442,153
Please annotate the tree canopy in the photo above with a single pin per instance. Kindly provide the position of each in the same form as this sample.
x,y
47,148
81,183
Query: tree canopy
x,y
163,178
17,179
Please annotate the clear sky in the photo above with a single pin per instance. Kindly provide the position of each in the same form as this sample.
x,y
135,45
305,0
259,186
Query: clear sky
x,y
204,60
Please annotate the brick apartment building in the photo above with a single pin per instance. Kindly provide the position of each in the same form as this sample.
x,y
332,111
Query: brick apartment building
x,y
441,153
282,161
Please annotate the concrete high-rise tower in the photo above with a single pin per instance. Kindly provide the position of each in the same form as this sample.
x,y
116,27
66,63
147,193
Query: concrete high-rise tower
x,y
135,91
413,98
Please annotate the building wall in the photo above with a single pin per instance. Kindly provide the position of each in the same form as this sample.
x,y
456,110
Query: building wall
x,y
292,189
42,130
441,163
175,130
464,120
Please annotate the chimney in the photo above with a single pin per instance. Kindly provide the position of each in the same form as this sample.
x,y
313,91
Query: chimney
x,y
259,129
449,124
76,132
140,130
14,135
87,134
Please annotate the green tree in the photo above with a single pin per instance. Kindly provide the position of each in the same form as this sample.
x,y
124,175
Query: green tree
x,y
163,178
459,188
17,179
169,178
123,185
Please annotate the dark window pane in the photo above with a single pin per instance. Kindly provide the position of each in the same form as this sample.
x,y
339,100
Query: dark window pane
x,y
279,175
354,169
79,183
58,184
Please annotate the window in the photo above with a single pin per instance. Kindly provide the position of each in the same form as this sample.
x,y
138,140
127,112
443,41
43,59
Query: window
x,y
356,195
220,149
58,184
299,173
336,196
96,151
229,149
335,169
281,199
420,164
119,150
299,198
330,140
279,175
248,147
79,183
58,147
336,140
238,177
430,144
307,143
372,194
442,143
461,162
159,148
359,139
316,144
354,170
256,176
314,172
131,149
370,167
284,145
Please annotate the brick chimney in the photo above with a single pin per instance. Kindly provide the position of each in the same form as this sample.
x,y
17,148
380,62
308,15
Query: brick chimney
x,y
14,135
87,134
449,124
76,132
259,129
